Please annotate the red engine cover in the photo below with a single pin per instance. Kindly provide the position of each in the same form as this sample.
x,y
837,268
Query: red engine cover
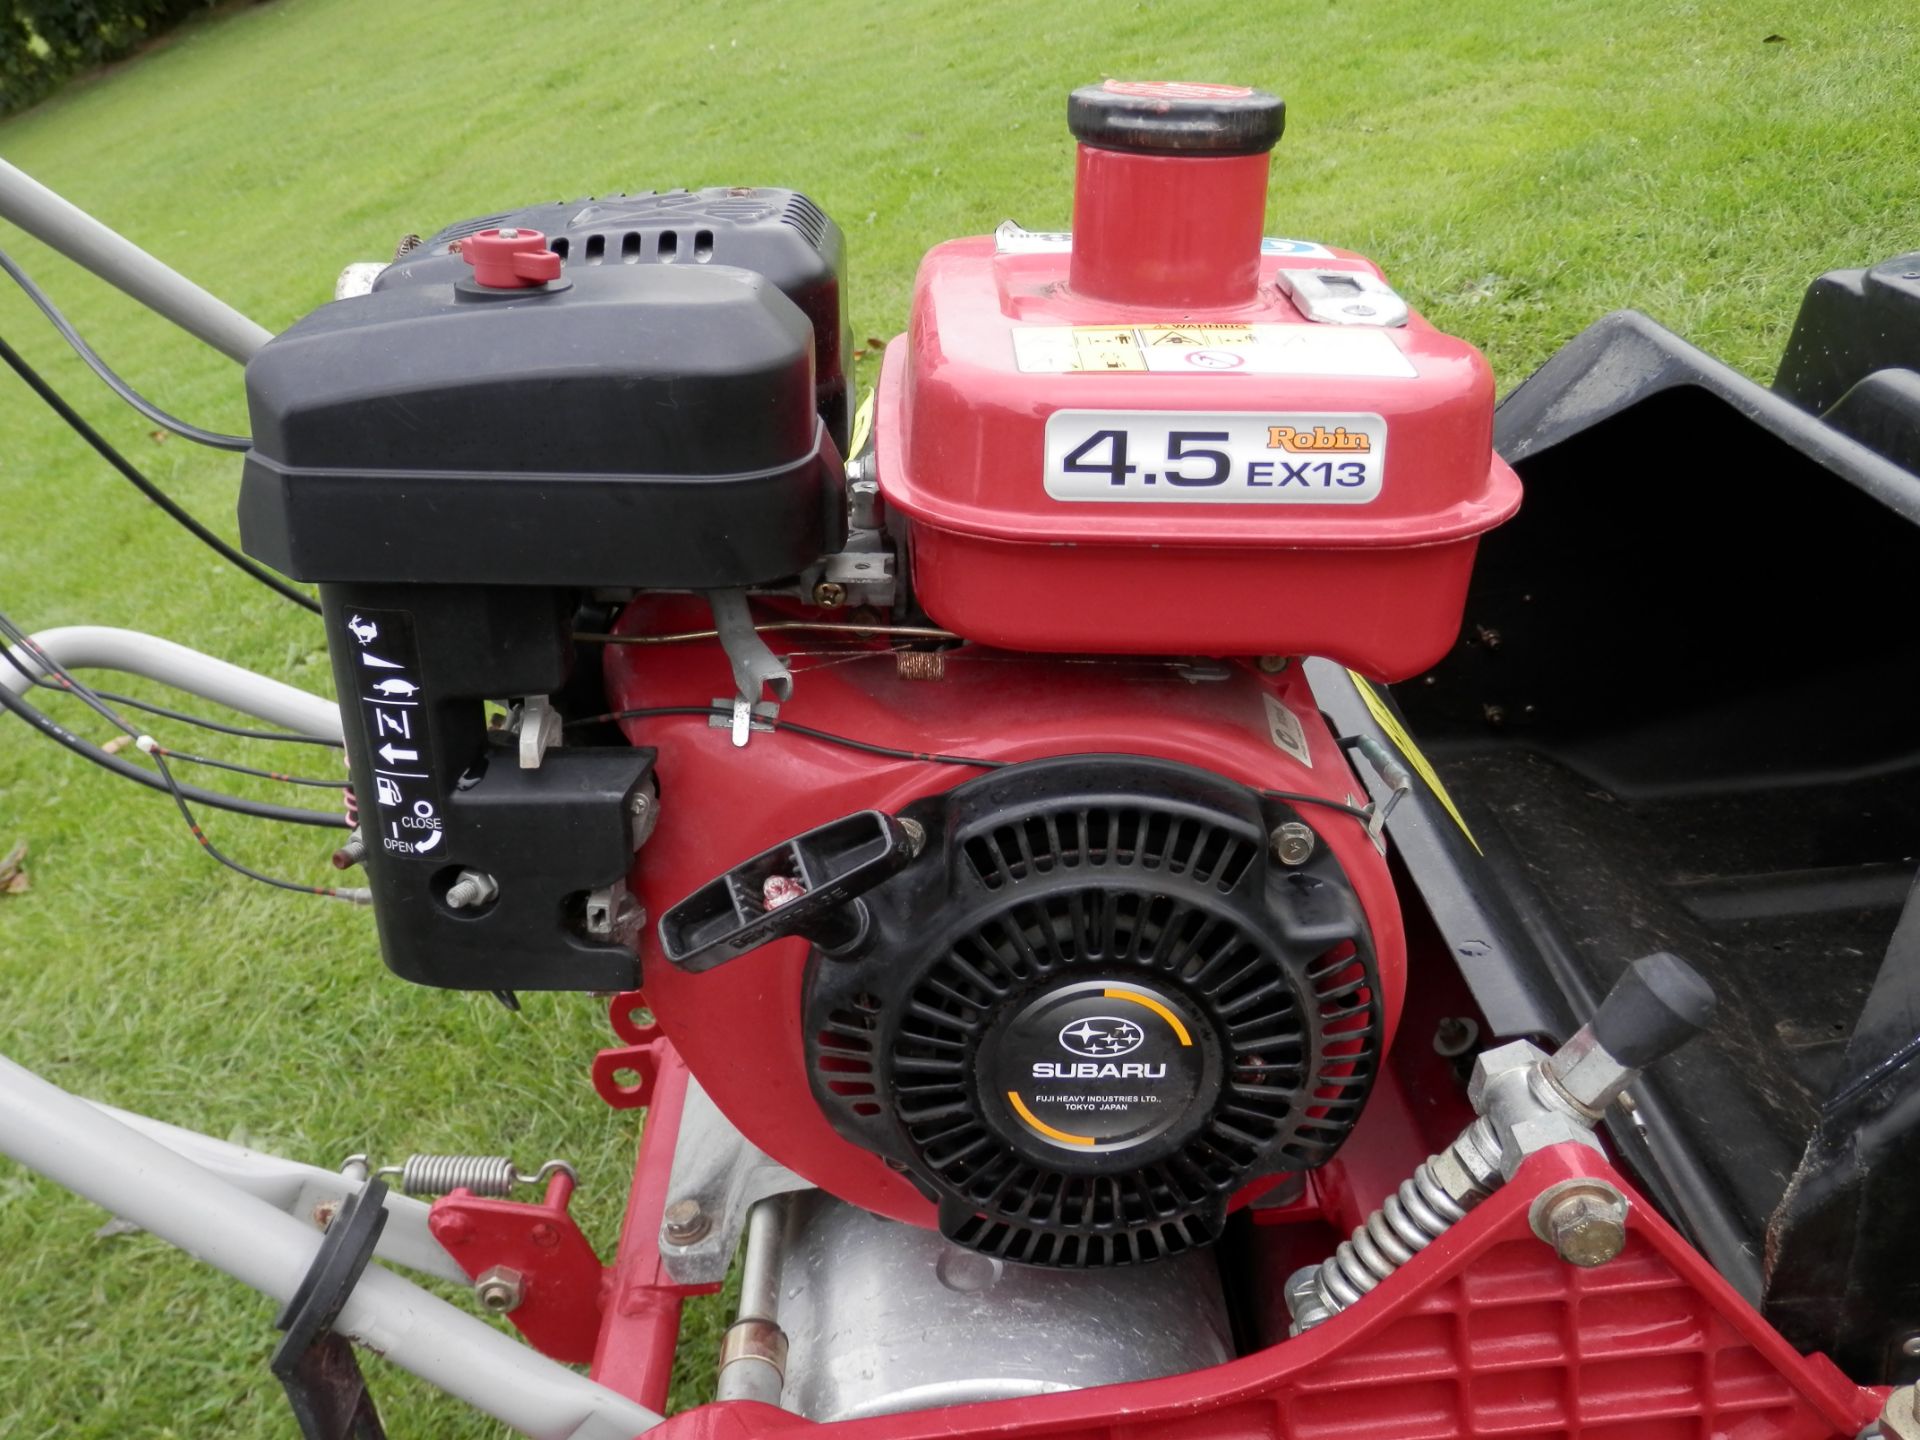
x,y
738,1026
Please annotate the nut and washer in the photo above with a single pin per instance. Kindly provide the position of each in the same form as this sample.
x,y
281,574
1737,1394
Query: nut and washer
x,y
1900,1417
499,1290
1293,843
471,889
1584,1220
684,1223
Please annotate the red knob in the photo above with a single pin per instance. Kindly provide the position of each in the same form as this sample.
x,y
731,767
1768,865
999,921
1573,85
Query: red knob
x,y
510,259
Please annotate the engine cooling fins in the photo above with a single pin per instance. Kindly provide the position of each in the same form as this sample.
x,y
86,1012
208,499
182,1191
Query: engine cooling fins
x,y
1096,1008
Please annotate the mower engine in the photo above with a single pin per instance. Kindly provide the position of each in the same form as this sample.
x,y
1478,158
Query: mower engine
x,y
945,779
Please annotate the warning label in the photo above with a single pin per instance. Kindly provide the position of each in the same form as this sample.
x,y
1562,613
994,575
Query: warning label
x,y
1012,239
404,818
1177,348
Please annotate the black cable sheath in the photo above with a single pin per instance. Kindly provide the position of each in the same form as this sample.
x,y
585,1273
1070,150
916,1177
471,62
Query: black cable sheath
x,y
86,749
96,699
219,727
864,746
157,753
889,752
178,792
213,438
236,768
145,486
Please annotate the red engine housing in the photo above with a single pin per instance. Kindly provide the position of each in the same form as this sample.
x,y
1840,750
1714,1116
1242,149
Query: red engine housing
x,y
1483,1333
737,1026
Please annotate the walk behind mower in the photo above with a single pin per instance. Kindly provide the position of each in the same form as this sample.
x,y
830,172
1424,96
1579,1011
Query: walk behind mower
x,y
1170,872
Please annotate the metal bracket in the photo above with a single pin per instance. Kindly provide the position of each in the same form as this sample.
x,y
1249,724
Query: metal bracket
x,y
641,1060
315,1365
755,667
1387,766
724,1175
866,577
547,1278
741,718
539,726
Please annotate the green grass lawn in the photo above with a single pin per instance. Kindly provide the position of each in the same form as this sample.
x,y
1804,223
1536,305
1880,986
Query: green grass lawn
x,y
1518,168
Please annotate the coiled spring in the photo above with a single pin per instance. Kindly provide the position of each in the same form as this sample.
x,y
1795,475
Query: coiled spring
x,y
1412,1218
490,1175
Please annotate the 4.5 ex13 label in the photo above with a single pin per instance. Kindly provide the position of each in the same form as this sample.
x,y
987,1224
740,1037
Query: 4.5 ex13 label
x,y
1245,458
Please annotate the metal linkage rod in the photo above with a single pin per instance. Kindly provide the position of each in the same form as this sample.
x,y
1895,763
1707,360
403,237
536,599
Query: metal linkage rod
x,y
124,265
72,1143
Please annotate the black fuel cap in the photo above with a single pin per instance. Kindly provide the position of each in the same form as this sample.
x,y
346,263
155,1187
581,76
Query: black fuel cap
x,y
1176,117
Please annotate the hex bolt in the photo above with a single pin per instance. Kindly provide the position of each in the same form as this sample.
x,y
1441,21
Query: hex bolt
x,y
500,1290
1271,664
1293,843
1454,1035
829,594
1911,1345
644,807
471,889
1900,1417
1584,1220
915,832
684,1222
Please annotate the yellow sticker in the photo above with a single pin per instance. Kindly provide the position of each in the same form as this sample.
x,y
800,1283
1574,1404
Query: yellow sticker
x,y
1205,347
1196,335
1403,742
862,426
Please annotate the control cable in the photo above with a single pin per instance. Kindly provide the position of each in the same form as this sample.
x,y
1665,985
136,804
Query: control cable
x,y
867,747
244,732
146,487
188,756
165,781
212,438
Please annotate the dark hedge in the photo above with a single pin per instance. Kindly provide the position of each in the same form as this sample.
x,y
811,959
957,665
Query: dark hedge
x,y
45,42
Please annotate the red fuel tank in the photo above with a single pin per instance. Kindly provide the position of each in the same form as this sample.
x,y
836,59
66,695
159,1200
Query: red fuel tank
x,y
1165,434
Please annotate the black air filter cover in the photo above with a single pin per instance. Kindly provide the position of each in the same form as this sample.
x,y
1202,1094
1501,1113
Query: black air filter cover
x,y
776,233
1098,1010
645,425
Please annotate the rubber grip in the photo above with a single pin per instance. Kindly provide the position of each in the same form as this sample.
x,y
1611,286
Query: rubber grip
x,y
1656,1007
